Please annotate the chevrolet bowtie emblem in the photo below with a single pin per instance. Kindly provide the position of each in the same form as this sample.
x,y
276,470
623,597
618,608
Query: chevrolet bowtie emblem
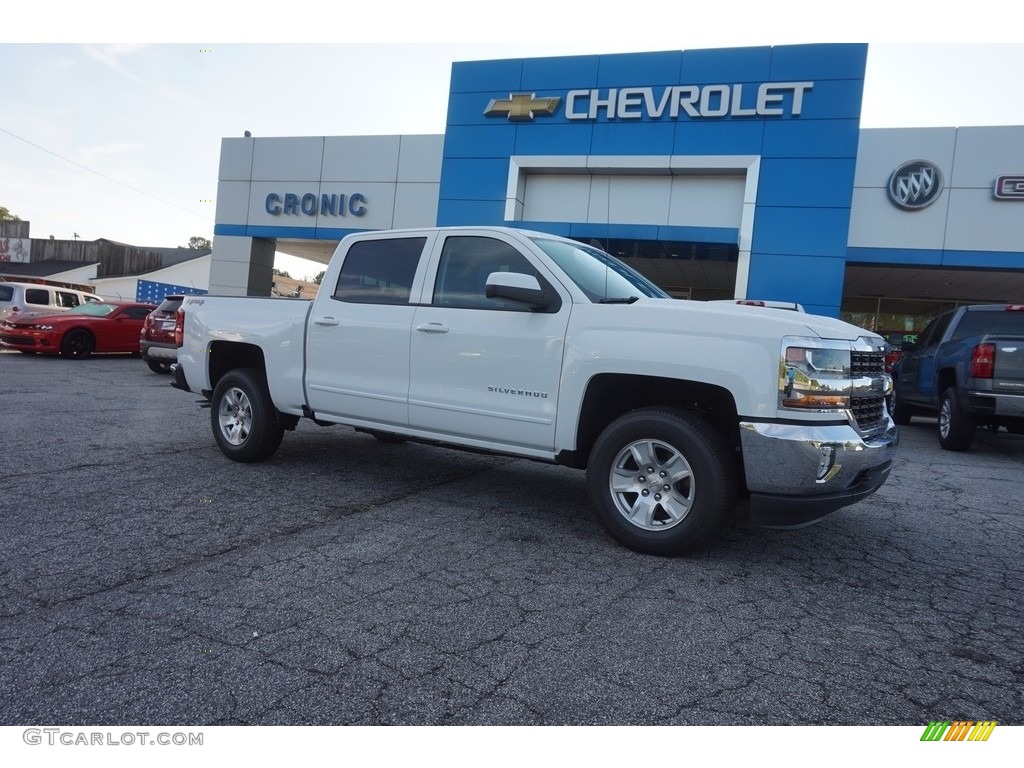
x,y
522,106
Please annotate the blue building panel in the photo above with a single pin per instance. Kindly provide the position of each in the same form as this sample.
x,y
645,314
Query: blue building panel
x,y
547,138
628,138
480,141
718,137
800,231
474,179
817,62
452,213
623,70
807,159
811,138
727,65
806,182
990,259
804,279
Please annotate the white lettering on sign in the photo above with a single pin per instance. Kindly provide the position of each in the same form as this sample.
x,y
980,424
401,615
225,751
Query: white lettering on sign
x,y
720,100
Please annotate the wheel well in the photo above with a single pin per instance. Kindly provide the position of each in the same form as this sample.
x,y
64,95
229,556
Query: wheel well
x,y
609,396
947,378
228,355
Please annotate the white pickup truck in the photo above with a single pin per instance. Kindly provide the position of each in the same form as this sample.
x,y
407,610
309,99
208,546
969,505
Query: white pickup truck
x,y
533,345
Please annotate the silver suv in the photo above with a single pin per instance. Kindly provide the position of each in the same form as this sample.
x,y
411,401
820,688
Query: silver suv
x,y
36,298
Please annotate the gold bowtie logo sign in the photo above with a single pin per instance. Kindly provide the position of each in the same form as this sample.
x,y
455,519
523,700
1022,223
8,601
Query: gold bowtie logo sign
x,y
522,106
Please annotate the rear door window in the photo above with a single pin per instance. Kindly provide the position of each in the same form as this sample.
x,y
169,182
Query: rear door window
x,y
37,296
379,271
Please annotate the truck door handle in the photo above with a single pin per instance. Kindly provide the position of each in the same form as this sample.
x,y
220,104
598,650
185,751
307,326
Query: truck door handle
x,y
327,320
432,328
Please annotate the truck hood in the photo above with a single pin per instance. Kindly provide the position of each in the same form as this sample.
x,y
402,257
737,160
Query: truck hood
x,y
731,320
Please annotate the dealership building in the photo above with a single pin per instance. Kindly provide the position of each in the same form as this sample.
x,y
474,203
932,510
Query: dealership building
x,y
726,173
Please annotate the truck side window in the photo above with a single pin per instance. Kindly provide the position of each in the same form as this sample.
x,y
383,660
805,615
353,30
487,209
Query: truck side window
x,y
938,329
465,264
379,271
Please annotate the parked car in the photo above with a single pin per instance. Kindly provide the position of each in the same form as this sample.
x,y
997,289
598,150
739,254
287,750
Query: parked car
x,y
39,298
968,368
157,343
96,326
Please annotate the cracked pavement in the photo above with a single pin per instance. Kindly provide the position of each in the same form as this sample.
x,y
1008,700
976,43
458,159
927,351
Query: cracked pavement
x,y
146,579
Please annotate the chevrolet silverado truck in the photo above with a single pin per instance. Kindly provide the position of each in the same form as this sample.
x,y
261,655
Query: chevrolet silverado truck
x,y
968,367
532,345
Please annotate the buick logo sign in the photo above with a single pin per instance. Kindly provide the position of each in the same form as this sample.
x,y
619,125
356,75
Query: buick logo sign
x,y
915,185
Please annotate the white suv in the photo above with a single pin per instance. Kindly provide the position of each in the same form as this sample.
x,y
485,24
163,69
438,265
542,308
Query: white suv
x,y
36,298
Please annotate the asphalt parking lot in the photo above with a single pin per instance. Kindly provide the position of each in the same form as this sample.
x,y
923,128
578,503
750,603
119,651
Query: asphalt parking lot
x,y
146,579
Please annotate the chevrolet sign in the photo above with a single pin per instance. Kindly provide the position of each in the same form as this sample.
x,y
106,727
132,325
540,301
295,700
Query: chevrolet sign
x,y
673,102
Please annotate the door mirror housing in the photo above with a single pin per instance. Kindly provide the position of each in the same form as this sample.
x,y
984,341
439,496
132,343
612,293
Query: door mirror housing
x,y
525,289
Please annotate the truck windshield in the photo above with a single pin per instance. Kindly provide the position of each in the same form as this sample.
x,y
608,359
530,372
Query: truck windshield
x,y
602,277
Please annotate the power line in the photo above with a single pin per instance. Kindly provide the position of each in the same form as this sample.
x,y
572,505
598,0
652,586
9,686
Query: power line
x,y
102,175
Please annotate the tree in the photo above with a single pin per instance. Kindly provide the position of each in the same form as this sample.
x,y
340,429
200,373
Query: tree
x,y
280,273
6,215
319,276
199,243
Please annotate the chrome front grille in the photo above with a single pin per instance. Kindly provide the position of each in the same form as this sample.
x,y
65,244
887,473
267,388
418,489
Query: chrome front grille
x,y
867,364
869,413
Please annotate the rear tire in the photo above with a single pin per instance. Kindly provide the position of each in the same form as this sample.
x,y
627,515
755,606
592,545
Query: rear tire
x,y
156,367
662,481
77,344
243,417
956,426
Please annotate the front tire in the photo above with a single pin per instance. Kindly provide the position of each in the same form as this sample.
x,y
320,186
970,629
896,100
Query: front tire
x,y
662,481
77,344
956,426
901,413
243,416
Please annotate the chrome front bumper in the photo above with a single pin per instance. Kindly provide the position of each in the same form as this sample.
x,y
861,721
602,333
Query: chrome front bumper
x,y
798,473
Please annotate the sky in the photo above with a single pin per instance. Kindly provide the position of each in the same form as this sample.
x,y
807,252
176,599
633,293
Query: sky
x,y
113,130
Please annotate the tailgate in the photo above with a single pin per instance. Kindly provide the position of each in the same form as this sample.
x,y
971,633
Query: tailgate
x,y
1008,374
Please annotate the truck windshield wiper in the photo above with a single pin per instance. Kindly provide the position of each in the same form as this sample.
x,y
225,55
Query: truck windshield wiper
x,y
629,300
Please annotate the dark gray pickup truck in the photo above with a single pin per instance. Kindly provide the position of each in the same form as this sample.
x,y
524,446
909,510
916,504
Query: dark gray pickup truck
x,y
967,367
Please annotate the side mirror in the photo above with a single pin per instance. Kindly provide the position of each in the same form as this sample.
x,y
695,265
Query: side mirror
x,y
516,286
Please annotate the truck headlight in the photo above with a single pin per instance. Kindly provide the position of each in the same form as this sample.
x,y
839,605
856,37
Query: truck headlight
x,y
814,374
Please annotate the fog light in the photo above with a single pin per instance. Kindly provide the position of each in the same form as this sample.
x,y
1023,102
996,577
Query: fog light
x,y
827,467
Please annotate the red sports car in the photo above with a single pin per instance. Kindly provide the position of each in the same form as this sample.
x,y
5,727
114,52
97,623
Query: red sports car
x,y
107,326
